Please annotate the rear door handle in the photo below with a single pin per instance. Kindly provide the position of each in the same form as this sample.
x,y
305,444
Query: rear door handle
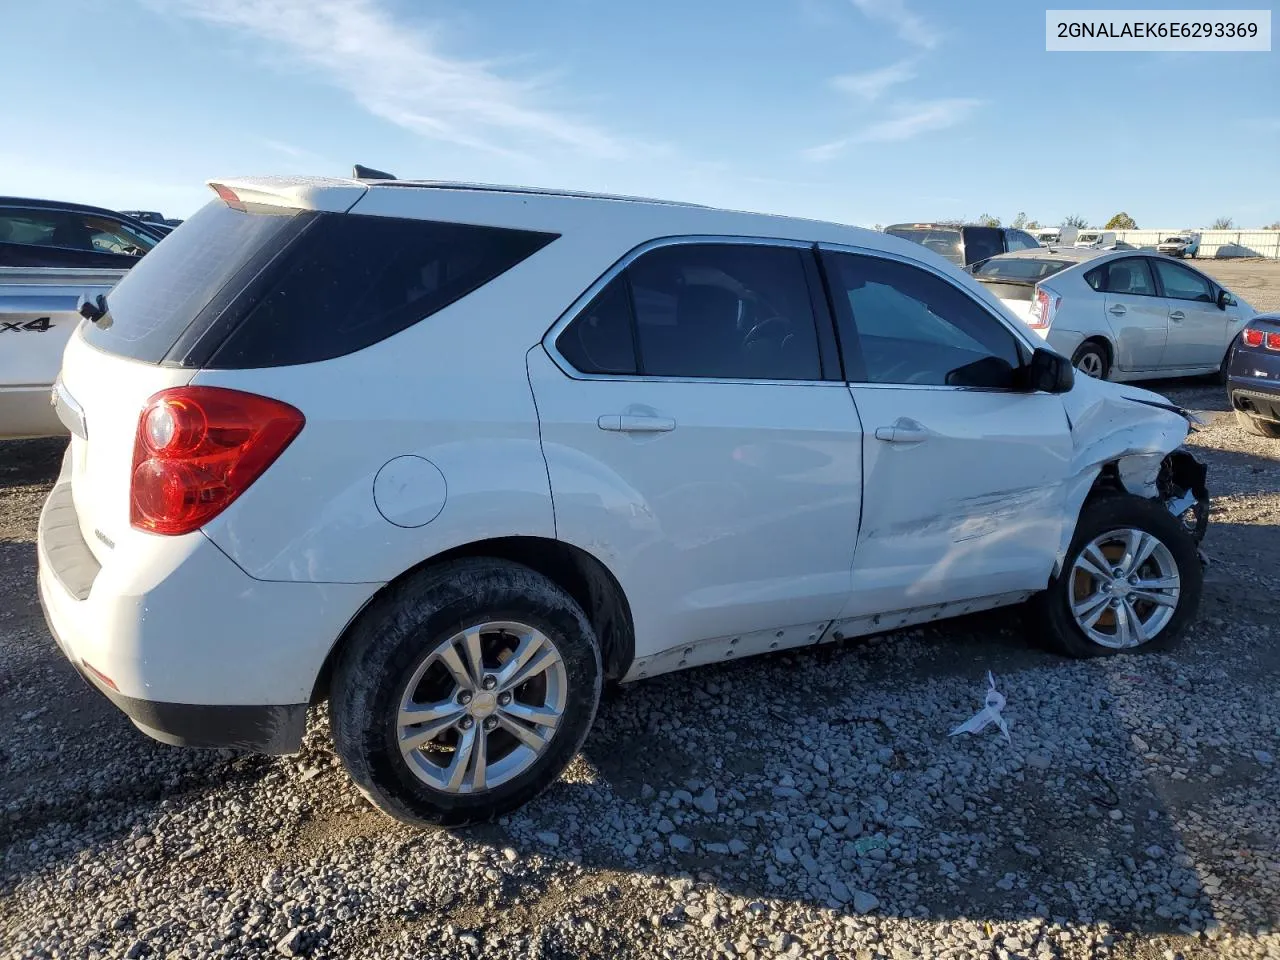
x,y
900,433
1119,310
1177,316
631,423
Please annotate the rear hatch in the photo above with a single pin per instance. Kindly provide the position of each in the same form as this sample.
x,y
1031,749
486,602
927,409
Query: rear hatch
x,y
148,341
272,274
1013,280
945,241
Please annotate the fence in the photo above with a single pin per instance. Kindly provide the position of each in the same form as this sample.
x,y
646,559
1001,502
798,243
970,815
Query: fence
x,y
1214,243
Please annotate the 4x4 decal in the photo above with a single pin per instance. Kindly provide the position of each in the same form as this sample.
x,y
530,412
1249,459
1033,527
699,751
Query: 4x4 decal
x,y
39,325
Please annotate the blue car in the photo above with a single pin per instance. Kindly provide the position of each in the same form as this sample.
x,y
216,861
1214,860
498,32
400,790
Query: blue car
x,y
1253,376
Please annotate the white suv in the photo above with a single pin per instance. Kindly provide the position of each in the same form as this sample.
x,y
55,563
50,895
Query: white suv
x,y
453,456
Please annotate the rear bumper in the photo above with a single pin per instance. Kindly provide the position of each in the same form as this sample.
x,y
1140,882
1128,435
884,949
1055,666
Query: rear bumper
x,y
191,648
26,412
262,729
1263,404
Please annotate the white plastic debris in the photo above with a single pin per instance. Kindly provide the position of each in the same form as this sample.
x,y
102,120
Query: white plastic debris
x,y
990,713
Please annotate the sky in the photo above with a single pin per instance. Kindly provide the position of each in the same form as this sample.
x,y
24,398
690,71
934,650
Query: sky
x,y
858,111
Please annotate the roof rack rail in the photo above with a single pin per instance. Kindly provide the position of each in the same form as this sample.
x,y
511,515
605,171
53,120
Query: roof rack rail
x,y
369,173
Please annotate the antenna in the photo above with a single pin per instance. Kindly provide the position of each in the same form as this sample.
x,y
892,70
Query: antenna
x,y
369,173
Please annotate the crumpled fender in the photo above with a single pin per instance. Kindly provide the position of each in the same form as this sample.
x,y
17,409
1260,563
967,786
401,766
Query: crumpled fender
x,y
1115,423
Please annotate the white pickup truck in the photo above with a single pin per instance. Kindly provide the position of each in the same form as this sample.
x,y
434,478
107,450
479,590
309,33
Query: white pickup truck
x,y
51,255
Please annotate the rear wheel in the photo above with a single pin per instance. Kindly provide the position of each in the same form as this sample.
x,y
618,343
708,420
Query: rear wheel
x,y
1130,581
1263,428
1091,360
464,692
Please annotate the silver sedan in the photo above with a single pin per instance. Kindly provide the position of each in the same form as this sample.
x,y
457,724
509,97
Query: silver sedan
x,y
1121,315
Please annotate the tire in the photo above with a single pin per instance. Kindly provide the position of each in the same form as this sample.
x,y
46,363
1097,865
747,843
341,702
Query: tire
x,y
1254,425
396,654
1107,517
1093,355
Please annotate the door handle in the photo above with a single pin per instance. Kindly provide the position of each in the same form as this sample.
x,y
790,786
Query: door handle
x,y
631,423
1177,316
902,433
1119,310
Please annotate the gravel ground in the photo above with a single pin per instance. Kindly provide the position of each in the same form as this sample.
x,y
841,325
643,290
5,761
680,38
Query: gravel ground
x,y
805,804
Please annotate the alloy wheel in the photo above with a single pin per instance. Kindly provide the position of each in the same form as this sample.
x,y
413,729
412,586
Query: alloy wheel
x,y
1090,364
1124,588
482,707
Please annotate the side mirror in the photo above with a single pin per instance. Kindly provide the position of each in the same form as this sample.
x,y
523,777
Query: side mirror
x,y
1049,372
1225,300
991,372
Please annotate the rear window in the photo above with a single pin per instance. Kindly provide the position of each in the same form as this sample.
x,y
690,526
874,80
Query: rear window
x,y
268,287
160,298
1030,269
941,240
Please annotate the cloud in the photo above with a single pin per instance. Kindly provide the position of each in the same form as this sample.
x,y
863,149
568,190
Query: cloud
x,y
398,72
910,120
910,26
298,154
917,118
872,85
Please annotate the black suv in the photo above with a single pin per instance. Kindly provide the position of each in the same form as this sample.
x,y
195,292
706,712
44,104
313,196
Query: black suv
x,y
964,244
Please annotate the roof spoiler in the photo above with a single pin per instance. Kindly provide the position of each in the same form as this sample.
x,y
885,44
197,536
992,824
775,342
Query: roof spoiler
x,y
362,172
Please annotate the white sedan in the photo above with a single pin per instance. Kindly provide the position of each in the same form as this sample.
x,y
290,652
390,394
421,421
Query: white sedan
x,y
1122,315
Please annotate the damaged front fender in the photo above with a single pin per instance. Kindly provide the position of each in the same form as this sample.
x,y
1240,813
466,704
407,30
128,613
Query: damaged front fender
x,y
1130,438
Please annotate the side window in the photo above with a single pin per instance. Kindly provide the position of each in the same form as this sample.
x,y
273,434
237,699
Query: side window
x,y
1182,284
728,311
65,230
28,227
1130,276
112,236
910,326
600,339
349,281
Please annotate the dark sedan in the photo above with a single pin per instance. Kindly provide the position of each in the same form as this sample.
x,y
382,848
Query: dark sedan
x,y
1253,376
49,233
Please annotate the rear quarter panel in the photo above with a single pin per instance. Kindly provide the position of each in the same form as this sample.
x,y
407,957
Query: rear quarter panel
x,y
1081,316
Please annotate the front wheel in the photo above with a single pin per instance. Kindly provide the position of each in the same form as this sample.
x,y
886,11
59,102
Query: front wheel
x,y
1131,580
464,692
1254,425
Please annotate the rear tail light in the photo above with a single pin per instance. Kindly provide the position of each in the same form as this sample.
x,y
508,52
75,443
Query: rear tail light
x,y
197,449
1046,306
227,195
1273,341
1252,337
